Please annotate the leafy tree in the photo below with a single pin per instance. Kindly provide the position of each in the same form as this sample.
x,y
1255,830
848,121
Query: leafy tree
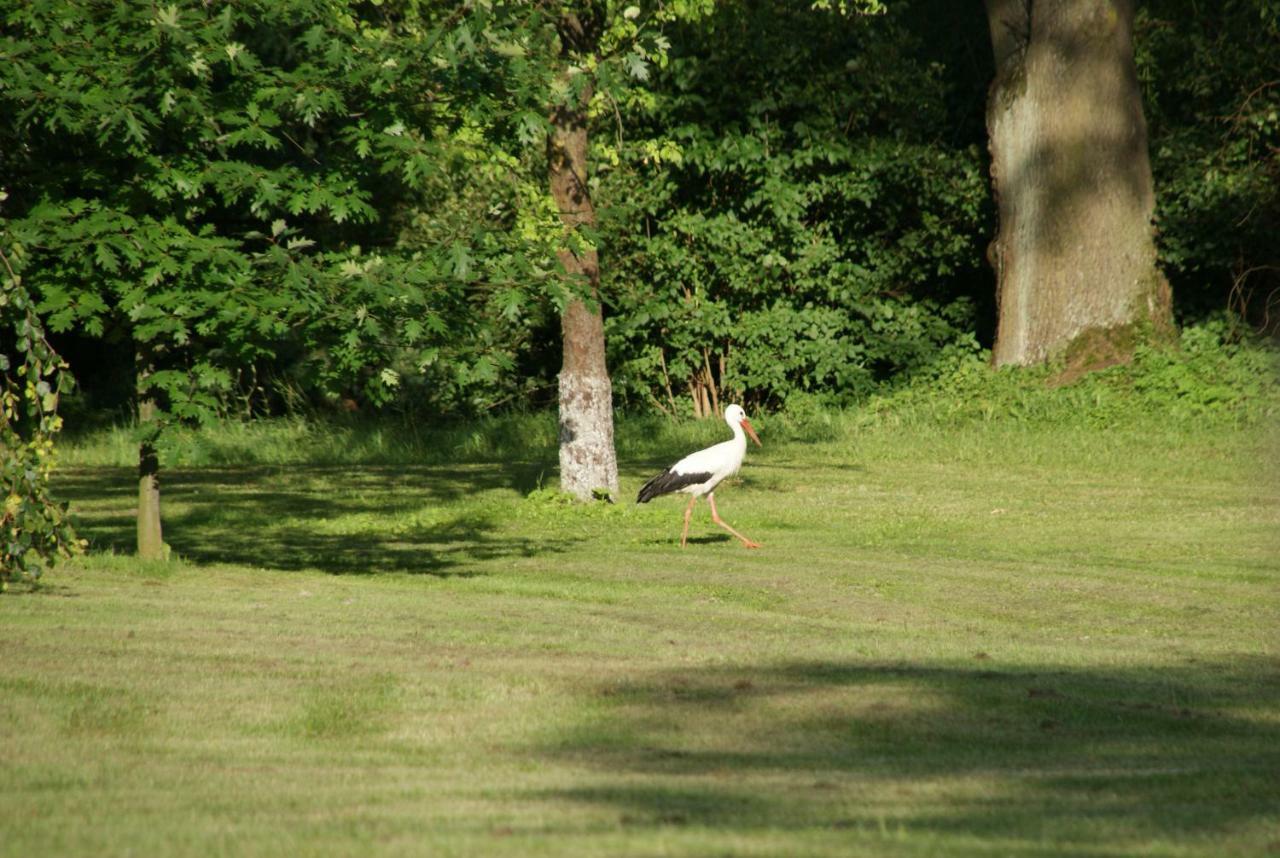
x,y
199,180
565,63
587,459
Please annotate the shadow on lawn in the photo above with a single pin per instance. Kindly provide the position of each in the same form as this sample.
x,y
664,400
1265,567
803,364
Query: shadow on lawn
x,y
1061,757
234,515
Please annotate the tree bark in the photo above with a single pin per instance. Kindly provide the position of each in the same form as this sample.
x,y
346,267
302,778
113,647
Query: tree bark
x,y
150,536
588,463
1075,255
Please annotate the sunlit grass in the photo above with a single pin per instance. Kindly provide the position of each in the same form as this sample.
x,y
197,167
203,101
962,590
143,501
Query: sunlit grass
x,y
981,640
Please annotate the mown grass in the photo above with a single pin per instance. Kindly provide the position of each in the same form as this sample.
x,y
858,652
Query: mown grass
x,y
994,638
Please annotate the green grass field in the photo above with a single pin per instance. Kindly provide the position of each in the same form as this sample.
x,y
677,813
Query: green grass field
x,y
988,640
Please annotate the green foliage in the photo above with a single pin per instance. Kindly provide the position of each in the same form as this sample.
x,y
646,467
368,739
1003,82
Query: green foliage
x,y
786,217
34,529
1213,104
349,200
219,185
1213,377
1212,380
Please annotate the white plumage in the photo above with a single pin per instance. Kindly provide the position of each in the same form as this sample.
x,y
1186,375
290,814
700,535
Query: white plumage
x,y
699,473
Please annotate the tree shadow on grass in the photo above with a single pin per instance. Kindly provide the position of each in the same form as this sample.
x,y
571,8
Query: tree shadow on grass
x,y
1102,760
398,518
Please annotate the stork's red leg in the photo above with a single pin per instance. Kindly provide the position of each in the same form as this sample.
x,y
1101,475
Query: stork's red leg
x,y
688,511
715,516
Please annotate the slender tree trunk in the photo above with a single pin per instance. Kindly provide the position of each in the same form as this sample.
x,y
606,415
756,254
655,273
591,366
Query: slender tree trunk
x,y
711,384
1075,255
588,462
150,536
698,393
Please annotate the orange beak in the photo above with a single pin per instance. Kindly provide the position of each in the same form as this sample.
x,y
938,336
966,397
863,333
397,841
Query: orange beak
x,y
746,424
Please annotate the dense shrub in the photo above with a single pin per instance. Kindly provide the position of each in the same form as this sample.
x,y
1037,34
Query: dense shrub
x,y
797,221
1212,100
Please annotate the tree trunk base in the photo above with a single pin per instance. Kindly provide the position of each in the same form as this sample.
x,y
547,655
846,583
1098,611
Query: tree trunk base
x,y
588,464
150,535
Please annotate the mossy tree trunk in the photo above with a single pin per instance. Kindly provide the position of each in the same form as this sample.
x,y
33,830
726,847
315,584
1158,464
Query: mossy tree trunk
x,y
588,462
1075,256
150,535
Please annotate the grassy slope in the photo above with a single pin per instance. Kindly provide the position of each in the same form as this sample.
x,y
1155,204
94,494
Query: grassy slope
x,y
985,641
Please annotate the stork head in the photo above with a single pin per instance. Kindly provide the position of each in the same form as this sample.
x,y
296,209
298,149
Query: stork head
x,y
735,416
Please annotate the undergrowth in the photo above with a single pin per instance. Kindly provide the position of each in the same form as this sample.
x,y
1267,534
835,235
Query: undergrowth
x,y
1209,380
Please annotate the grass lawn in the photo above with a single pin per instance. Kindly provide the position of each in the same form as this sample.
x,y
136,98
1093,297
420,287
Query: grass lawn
x,y
986,641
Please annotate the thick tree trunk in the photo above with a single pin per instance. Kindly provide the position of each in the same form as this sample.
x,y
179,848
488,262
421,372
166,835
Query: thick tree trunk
x,y
150,537
1075,255
588,463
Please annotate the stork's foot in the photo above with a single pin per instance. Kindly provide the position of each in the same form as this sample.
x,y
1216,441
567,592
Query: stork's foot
x,y
715,516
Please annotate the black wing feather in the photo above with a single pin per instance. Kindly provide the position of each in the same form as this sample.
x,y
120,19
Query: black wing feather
x,y
669,481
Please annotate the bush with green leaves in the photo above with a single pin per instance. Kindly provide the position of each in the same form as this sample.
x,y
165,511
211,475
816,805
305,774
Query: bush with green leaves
x,y
796,216
34,528
1211,81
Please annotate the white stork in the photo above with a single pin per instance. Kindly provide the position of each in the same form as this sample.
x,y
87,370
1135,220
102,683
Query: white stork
x,y
699,473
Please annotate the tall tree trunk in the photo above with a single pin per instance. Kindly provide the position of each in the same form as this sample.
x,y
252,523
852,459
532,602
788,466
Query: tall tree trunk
x,y
150,537
588,462
1075,255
